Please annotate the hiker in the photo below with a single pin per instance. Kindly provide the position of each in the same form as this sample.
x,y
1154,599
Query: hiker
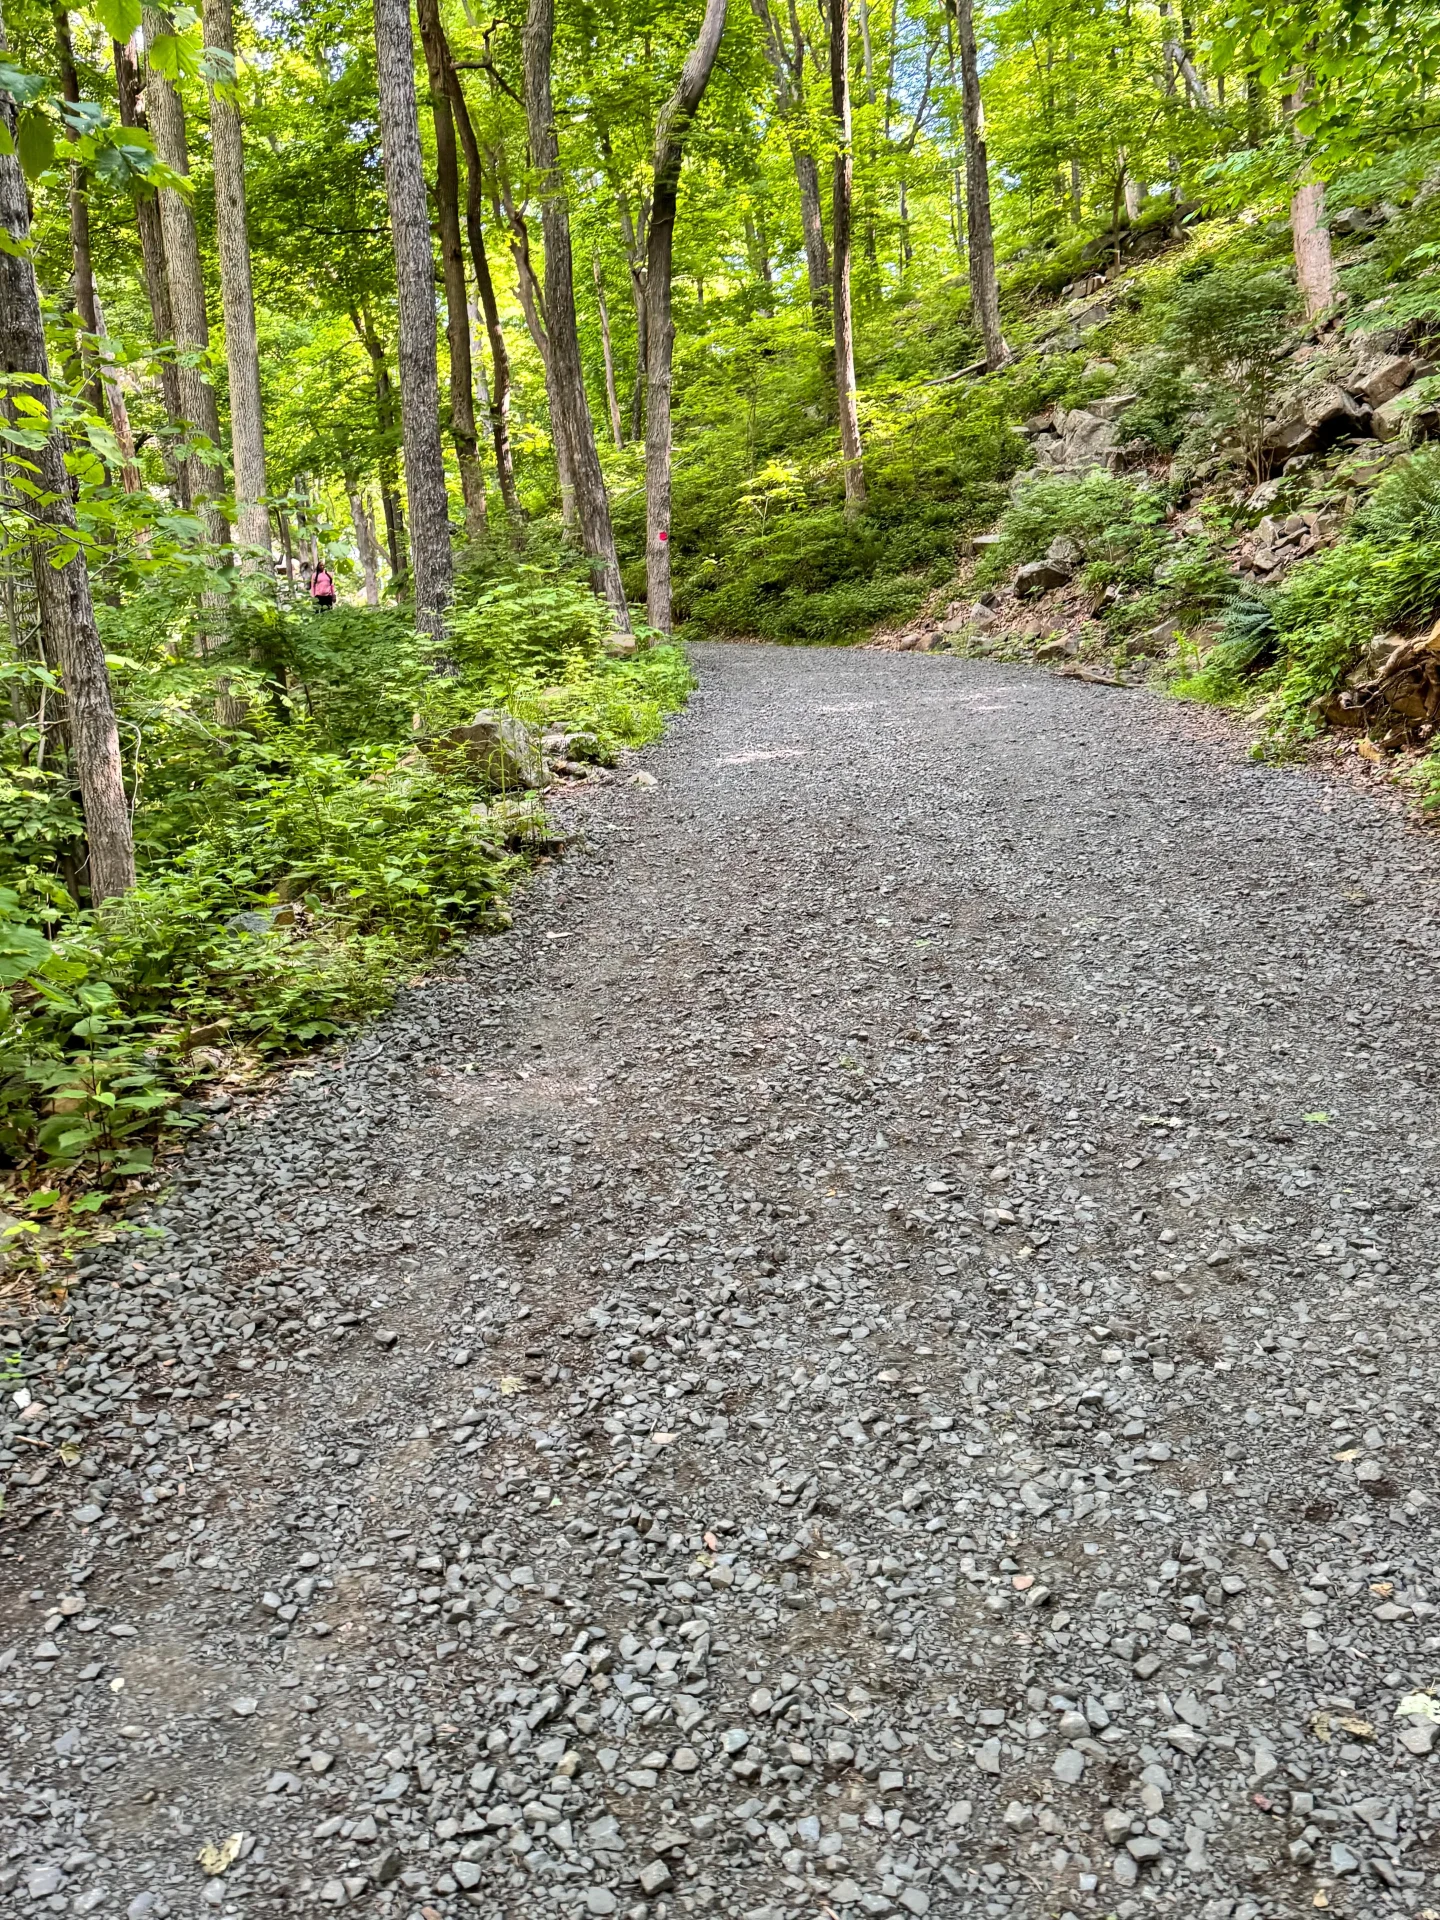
x,y
322,586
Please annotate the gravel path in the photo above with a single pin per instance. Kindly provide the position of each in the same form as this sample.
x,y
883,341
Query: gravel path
x,y
875,1356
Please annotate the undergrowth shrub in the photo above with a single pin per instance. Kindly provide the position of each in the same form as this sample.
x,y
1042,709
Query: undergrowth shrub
x,y
1118,525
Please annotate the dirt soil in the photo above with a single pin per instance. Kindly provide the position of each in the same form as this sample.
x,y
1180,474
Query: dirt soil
x,y
876,1355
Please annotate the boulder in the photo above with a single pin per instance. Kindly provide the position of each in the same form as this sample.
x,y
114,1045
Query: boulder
x,y
1063,552
1377,380
496,751
1413,413
621,646
1317,418
1040,576
1112,406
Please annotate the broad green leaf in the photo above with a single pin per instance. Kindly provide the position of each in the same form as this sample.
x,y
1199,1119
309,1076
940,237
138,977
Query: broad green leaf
x,y
35,143
120,18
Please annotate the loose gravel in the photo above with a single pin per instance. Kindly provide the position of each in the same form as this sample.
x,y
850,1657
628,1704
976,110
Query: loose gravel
x,y
876,1355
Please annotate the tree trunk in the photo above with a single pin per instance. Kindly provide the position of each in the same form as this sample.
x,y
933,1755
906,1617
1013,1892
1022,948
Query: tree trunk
x,y
812,224
612,398
152,257
786,59
567,382
532,305
186,282
115,402
433,570
237,295
850,448
385,422
984,285
1314,263
67,618
479,260
452,262
84,274
364,543
671,130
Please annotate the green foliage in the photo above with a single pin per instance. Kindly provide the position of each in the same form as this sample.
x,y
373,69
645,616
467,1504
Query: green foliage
x,y
1116,523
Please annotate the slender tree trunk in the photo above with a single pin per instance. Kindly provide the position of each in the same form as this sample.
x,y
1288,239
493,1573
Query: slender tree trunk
x,y
850,448
818,270
187,287
787,65
532,305
984,284
567,383
79,196
671,131
385,422
957,177
237,295
612,398
433,571
67,617
758,247
1314,262
364,542
499,404
157,279
115,402
452,263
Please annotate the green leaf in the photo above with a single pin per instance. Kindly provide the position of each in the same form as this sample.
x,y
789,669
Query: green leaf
x,y
23,88
88,1203
35,143
120,18
176,55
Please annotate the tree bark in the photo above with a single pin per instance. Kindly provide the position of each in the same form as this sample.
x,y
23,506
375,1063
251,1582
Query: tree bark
x,y
152,258
787,66
237,296
186,283
567,382
79,198
115,402
433,568
851,450
532,305
499,405
612,398
364,542
67,617
1314,262
671,131
452,263
385,423
984,284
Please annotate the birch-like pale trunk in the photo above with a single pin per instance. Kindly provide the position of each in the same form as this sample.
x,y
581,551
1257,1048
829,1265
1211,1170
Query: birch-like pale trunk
x,y
607,347
365,546
432,563
67,616
670,134
237,297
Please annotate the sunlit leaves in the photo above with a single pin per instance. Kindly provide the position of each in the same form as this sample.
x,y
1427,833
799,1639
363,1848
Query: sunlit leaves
x,y
120,18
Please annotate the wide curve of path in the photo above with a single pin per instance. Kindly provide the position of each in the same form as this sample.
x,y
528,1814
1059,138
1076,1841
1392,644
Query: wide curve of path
x,y
875,1356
